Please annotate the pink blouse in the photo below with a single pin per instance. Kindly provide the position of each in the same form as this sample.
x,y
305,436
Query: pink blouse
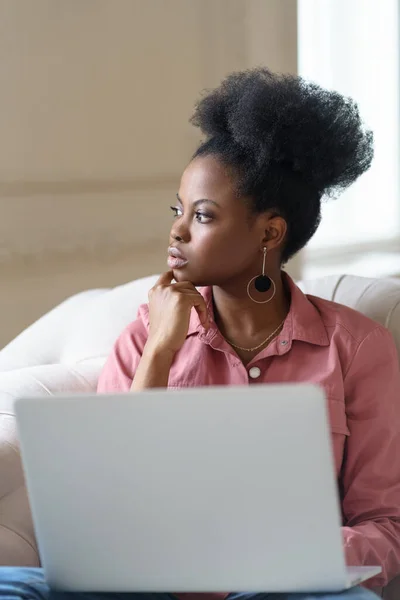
x,y
354,359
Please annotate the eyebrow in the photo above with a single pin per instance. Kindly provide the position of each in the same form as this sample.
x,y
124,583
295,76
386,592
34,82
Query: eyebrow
x,y
201,201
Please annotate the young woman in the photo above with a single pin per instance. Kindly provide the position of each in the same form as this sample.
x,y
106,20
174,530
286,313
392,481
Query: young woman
x,y
248,201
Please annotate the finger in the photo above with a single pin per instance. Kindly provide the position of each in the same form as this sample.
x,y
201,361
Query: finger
x,y
185,289
165,278
185,285
201,308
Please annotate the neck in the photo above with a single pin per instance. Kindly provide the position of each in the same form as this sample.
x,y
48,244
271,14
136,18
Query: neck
x,y
239,318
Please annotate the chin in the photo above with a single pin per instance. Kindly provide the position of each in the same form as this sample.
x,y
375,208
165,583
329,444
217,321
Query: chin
x,y
181,275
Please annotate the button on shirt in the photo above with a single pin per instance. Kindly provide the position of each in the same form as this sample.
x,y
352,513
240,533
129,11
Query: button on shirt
x,y
254,372
355,361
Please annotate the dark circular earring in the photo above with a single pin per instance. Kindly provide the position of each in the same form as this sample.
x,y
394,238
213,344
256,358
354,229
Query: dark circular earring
x,y
262,283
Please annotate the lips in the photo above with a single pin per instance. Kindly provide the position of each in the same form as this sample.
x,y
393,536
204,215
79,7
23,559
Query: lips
x,y
176,260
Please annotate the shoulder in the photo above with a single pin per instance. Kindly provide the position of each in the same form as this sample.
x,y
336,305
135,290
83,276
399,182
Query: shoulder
x,y
118,371
345,320
135,333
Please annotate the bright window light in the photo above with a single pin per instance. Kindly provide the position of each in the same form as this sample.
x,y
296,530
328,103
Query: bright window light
x,y
352,46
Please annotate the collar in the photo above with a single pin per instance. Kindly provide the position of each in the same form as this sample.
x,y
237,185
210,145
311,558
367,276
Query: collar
x,y
194,324
303,322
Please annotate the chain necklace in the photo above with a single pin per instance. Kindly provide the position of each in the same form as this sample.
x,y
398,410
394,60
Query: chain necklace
x,y
262,343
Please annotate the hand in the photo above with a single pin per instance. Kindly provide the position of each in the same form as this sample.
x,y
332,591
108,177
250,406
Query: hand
x,y
170,306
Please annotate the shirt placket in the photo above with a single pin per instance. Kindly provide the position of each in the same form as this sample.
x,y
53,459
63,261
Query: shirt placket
x,y
256,370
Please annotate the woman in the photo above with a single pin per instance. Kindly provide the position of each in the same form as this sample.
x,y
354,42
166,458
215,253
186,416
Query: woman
x,y
248,201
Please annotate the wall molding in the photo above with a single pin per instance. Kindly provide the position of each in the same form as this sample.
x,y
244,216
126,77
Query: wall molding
x,y
22,189
14,263
96,220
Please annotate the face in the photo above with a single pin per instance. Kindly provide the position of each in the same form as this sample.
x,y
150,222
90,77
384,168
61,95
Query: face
x,y
215,239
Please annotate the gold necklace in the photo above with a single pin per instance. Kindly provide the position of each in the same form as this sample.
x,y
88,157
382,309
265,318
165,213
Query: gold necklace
x,y
259,345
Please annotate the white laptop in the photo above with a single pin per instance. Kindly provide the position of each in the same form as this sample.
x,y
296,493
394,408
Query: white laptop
x,y
224,489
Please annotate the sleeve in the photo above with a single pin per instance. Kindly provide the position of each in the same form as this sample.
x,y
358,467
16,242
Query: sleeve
x,y
370,477
119,370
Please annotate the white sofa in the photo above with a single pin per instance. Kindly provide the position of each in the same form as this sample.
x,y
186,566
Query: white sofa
x,y
65,350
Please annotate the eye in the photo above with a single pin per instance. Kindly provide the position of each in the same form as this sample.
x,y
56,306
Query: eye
x,y
177,211
203,217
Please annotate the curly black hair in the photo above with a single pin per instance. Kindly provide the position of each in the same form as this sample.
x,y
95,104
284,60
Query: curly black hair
x,y
289,142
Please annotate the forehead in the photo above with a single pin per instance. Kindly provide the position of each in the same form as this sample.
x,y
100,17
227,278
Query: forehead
x,y
206,177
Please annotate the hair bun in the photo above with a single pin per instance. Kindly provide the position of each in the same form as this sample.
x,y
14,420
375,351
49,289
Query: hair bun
x,y
284,119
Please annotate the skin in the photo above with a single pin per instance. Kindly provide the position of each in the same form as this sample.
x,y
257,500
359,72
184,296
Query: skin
x,y
223,243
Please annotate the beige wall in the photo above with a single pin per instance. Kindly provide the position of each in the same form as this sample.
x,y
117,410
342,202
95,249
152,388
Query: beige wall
x,y
94,106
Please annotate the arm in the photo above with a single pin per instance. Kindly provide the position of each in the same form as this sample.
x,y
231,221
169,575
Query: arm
x,y
133,365
153,370
142,359
169,314
370,478
121,365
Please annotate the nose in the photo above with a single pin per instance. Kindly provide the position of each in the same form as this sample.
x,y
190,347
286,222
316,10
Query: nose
x,y
179,232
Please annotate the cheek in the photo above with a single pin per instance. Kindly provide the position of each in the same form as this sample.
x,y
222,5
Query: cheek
x,y
223,248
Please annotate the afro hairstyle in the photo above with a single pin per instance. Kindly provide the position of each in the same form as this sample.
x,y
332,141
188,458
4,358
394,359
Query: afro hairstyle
x,y
288,142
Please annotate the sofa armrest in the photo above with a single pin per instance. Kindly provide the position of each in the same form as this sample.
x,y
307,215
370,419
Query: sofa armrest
x,y
42,342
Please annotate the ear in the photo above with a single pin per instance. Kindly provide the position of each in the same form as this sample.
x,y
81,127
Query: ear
x,y
275,230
